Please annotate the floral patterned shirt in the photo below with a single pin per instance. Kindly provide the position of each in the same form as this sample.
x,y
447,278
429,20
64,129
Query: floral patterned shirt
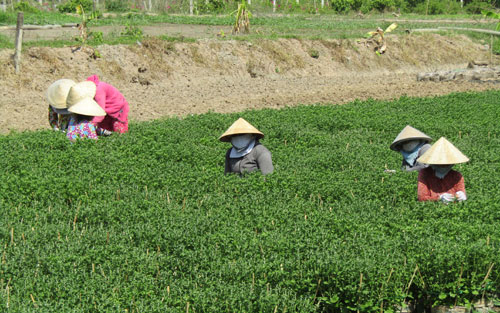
x,y
83,129
58,121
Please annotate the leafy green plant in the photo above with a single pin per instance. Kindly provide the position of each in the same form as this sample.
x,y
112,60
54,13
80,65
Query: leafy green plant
x,y
25,6
83,27
241,18
117,5
314,53
152,224
72,5
132,31
477,6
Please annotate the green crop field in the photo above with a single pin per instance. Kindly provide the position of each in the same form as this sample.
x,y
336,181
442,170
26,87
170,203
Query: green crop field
x,y
147,222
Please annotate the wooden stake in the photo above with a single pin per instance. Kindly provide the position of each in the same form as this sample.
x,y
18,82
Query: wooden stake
x,y
19,41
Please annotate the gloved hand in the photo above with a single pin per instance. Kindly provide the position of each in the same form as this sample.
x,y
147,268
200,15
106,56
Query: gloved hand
x,y
461,196
103,132
446,198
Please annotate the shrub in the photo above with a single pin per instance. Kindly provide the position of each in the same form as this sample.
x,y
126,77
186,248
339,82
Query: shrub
x,y
212,6
70,6
341,6
117,6
132,31
382,5
476,6
438,7
25,6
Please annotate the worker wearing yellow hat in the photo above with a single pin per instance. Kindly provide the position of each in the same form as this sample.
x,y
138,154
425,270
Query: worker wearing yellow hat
x,y
247,154
439,181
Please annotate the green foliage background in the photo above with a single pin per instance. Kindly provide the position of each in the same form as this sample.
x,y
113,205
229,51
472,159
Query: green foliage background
x,y
147,221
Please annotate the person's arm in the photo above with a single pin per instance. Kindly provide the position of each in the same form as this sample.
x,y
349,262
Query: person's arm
x,y
265,162
424,194
53,118
460,189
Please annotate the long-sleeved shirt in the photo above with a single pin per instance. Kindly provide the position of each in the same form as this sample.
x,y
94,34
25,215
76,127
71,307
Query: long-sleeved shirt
x,y
430,187
83,129
113,102
258,158
405,166
58,121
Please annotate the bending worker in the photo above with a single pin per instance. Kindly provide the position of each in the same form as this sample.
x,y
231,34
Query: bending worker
x,y
115,105
57,93
247,154
412,144
83,108
439,181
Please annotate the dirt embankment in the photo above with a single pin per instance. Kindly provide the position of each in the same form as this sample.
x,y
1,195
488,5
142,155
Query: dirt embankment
x,y
162,79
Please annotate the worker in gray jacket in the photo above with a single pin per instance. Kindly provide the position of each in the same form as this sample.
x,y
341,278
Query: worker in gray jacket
x,y
411,143
247,154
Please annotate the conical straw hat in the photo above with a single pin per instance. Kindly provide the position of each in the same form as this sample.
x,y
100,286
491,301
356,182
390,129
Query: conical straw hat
x,y
408,133
240,127
58,92
441,153
79,91
87,106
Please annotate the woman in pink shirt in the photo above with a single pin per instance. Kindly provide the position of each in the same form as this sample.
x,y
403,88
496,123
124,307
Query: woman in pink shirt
x,y
439,182
113,103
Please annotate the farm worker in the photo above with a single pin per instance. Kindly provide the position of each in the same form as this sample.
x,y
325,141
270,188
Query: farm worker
x,y
115,105
247,154
439,181
412,144
83,108
58,109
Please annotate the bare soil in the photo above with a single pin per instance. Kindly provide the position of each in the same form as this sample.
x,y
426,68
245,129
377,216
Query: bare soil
x,y
160,79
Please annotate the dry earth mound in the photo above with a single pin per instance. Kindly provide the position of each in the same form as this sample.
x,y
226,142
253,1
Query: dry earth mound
x,y
161,78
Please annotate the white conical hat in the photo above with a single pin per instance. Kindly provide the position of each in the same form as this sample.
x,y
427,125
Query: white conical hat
x,y
441,153
79,91
87,106
408,133
57,93
240,127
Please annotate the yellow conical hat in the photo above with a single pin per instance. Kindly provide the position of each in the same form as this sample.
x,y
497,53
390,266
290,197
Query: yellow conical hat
x,y
79,91
240,127
87,106
443,152
408,133
58,92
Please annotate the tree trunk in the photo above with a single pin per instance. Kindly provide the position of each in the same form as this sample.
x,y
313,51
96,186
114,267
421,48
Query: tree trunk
x,y
191,7
274,6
